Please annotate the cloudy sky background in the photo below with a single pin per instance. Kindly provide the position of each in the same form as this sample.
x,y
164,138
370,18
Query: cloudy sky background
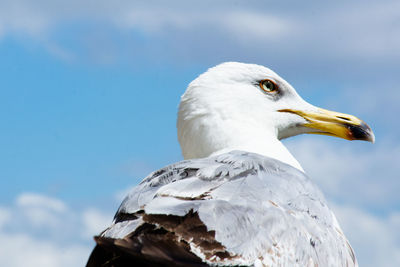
x,y
89,92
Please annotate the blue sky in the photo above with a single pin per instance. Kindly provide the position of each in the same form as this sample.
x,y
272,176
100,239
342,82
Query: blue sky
x,y
89,93
63,122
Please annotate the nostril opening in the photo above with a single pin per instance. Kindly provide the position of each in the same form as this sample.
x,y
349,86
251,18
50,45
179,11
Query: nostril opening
x,y
343,118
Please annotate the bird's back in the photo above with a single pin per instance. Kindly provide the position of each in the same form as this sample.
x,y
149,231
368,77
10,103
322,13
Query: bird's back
x,y
237,208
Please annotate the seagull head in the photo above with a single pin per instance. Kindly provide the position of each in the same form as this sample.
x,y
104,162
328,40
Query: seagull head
x,y
238,106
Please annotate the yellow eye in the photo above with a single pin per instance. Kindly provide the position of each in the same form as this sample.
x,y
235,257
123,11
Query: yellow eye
x,y
268,86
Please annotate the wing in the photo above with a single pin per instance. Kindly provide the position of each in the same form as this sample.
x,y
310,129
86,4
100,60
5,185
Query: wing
x,y
238,208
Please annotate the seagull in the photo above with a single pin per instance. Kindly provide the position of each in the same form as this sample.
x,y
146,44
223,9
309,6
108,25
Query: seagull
x,y
239,198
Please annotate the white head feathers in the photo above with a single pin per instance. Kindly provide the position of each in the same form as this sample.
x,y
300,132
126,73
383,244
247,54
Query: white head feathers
x,y
227,108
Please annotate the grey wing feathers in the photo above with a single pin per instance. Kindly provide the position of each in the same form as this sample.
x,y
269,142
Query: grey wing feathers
x,y
249,210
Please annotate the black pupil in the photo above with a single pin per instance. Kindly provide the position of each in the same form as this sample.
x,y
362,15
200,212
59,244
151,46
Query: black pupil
x,y
269,85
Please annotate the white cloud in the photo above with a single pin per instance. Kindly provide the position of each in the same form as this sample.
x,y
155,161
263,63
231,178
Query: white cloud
x,y
360,173
245,25
94,222
331,31
42,16
33,200
5,216
378,99
375,239
25,250
41,211
372,28
162,19
38,230
23,17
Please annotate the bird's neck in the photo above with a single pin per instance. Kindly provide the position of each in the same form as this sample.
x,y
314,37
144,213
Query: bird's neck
x,y
273,149
204,137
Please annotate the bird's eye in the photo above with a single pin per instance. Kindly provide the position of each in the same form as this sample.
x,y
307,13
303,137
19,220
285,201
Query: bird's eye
x,y
268,86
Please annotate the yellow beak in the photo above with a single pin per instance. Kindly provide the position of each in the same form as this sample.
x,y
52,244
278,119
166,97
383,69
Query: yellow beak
x,y
335,124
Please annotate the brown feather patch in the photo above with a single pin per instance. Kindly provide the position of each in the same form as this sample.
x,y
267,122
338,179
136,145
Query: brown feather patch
x,y
163,240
